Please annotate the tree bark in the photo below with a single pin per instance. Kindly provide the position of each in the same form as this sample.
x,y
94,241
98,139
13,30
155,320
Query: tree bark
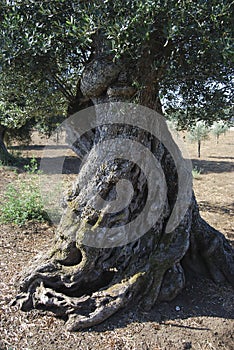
x,y
87,284
4,154
199,148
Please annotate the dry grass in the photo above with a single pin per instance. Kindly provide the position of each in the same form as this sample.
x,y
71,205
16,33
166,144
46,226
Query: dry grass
x,y
215,187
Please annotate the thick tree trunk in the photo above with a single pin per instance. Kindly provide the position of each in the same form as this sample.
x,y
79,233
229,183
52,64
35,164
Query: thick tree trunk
x,y
87,283
4,154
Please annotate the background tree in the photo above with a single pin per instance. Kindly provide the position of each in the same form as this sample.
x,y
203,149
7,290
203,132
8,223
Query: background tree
x,y
139,51
26,105
199,133
218,129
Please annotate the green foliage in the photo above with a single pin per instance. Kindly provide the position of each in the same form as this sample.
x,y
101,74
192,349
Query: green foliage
x,y
32,167
22,200
22,203
196,172
199,132
26,103
218,129
186,44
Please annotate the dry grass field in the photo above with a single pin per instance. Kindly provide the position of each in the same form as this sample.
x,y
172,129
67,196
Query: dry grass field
x,y
214,188
200,318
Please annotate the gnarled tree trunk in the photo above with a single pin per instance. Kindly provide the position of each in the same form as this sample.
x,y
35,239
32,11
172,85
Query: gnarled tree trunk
x,y
87,283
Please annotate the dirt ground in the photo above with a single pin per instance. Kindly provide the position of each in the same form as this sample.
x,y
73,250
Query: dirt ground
x,y
200,318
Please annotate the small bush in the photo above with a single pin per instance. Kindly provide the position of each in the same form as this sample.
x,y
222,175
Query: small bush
x,y
196,172
22,202
32,167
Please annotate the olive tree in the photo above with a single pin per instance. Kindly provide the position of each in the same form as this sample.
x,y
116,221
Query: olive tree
x,y
26,104
218,129
99,54
199,133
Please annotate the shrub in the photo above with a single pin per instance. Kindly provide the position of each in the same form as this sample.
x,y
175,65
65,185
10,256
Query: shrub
x,y
22,202
32,167
196,172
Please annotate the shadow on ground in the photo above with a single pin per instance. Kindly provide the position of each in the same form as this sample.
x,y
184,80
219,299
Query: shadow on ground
x,y
209,166
51,165
212,208
59,165
200,297
219,157
37,147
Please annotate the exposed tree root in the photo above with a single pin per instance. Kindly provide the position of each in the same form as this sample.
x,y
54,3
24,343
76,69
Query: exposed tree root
x,y
106,280
209,252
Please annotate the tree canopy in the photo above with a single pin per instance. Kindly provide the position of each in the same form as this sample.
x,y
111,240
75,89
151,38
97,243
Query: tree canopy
x,y
186,44
25,103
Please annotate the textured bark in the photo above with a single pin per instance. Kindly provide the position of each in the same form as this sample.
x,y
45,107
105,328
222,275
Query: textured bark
x,y
86,285
4,154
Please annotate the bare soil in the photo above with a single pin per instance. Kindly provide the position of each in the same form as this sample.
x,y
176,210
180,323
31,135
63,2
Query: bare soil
x,y
200,318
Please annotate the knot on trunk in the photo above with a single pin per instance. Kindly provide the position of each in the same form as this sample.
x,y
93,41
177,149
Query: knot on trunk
x,y
98,76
